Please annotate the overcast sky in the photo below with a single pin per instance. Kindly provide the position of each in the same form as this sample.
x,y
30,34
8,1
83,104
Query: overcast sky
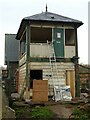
x,y
12,12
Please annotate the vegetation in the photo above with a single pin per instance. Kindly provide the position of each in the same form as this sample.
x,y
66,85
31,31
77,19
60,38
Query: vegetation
x,y
81,114
22,112
33,112
42,112
84,68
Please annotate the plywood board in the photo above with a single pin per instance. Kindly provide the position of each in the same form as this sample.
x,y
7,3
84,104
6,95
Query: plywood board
x,y
40,96
72,82
40,85
40,90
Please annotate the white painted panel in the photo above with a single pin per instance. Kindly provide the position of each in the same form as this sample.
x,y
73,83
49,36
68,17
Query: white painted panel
x,y
69,51
40,50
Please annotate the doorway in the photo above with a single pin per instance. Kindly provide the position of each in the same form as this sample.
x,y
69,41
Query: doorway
x,y
35,75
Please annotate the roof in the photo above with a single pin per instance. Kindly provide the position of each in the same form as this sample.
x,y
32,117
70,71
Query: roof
x,y
11,48
48,17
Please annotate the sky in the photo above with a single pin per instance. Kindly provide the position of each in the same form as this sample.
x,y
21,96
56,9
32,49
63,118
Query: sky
x,y
13,11
88,32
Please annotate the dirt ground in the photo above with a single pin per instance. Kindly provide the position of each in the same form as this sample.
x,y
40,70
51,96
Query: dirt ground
x,y
62,111
7,112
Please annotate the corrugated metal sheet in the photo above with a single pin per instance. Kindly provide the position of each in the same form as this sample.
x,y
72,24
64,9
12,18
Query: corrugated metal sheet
x,y
11,48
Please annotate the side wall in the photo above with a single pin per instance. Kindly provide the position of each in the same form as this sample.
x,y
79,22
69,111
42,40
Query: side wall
x,y
22,74
62,74
66,75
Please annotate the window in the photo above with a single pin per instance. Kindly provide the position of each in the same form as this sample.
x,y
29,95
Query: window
x,y
58,35
69,37
23,47
40,34
23,44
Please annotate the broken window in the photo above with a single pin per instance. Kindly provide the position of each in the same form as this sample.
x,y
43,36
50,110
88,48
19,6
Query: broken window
x,y
23,44
40,34
69,37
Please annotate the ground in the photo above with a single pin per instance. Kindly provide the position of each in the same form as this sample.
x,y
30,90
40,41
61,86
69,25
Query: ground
x,y
62,111
0,101
5,110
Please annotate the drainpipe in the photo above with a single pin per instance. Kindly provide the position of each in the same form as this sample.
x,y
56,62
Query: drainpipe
x,y
77,78
27,56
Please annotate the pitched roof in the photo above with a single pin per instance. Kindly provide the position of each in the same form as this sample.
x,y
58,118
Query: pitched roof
x,y
47,17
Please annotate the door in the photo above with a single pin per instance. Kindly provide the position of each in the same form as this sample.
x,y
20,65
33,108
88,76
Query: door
x,y
58,38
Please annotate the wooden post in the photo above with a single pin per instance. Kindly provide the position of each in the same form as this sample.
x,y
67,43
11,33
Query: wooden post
x,y
68,77
27,61
70,80
77,80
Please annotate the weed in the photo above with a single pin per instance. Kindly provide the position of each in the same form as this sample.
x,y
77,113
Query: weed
x,y
35,112
22,112
42,112
80,114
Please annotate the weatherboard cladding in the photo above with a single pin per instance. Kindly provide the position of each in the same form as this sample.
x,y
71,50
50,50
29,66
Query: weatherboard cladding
x,y
47,17
45,66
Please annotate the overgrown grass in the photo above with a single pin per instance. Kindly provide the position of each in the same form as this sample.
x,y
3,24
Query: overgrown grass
x,y
33,112
42,112
22,112
81,114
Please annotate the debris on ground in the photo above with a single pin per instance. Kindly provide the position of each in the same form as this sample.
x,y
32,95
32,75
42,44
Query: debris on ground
x,y
15,96
62,93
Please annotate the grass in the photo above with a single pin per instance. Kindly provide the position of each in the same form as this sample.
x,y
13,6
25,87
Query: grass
x,y
22,112
81,114
42,112
33,112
